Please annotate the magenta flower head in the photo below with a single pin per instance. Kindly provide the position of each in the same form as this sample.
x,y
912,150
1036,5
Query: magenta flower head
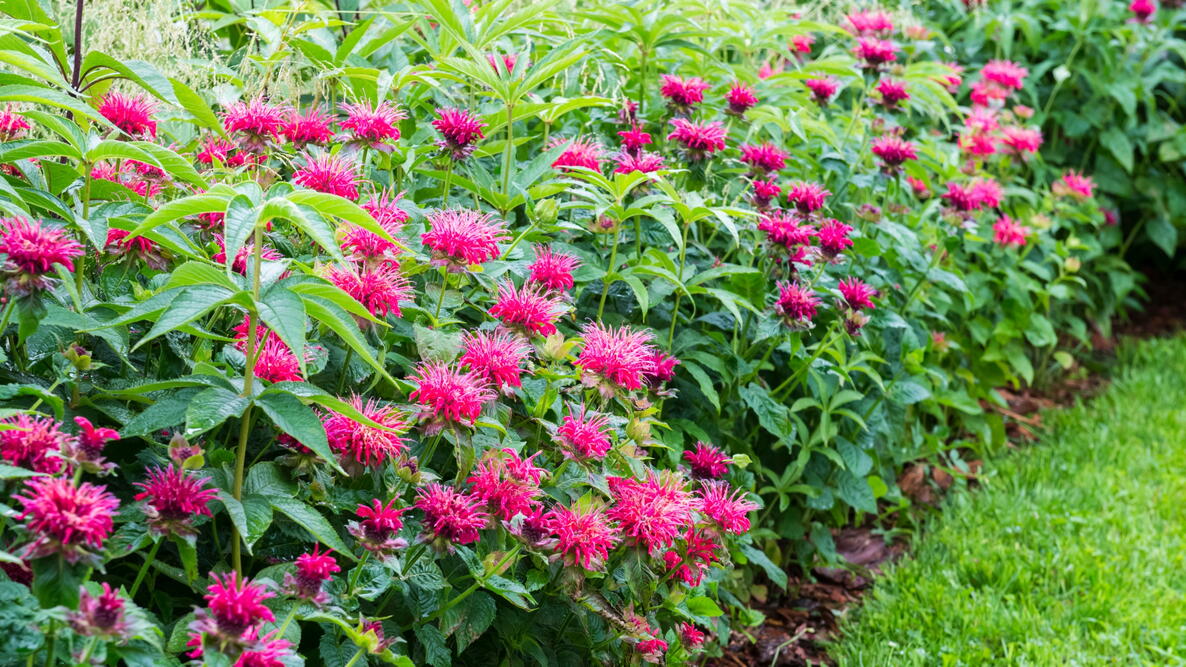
x,y
786,229
231,622
707,462
380,287
529,309
583,436
856,294
450,517
765,192
652,512
30,251
1072,183
64,519
763,158
699,140
34,443
869,23
960,198
1142,10
365,245
807,197
892,150
101,615
1007,233
379,529
1021,141
331,174
12,126
634,139
460,131
364,444
310,127
728,508
683,94
614,359
891,93
692,561
132,114
691,636
372,126
833,238
874,52
449,395
497,355
647,163
459,237
584,534
312,571
175,498
509,60
662,369
582,152
741,98
987,192
1005,73
823,88
255,124
796,305
552,269
507,484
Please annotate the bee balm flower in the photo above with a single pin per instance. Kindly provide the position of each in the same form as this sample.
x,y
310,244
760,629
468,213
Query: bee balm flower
x,y
331,174
1008,233
707,462
797,305
584,534
699,140
459,131
312,571
174,499
380,525
683,94
764,158
614,358
529,308
449,395
583,436
364,444
551,269
372,126
728,508
651,512
450,515
132,114
33,442
255,122
64,519
741,98
498,356
460,237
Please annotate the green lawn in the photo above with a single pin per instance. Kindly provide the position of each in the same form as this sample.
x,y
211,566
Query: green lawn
x,y
1072,553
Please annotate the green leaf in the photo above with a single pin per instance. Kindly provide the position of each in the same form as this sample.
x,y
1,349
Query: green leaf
x,y
189,558
56,582
476,614
759,558
1119,145
1163,234
284,313
855,491
212,407
241,218
188,304
907,392
772,415
436,652
311,520
13,472
298,420
704,606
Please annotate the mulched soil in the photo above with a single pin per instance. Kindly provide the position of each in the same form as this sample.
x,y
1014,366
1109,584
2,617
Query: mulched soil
x,y
798,625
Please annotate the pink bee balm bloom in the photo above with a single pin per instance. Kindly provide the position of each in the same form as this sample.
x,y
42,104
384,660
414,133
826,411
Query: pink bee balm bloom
x,y
1072,183
497,355
174,498
784,229
529,308
225,153
893,151
856,294
33,249
449,395
919,187
955,79
765,192
33,443
652,512
87,449
634,139
364,244
741,98
1004,73
764,158
662,369
1008,233
257,122
245,253
506,484
331,174
581,152
822,88
118,243
647,163
961,198
373,126
584,534
768,70
460,237
362,443
509,60
869,23
460,131
707,462
833,237
796,305
683,94
614,358
310,127
728,508
65,519
379,287
700,551
987,192
875,52
380,525
801,44
266,651
892,92
1021,140
132,114
807,197
101,615
583,436
699,140
12,126
237,604
276,362
1142,10
977,144
551,269
451,515
312,571
982,119
690,635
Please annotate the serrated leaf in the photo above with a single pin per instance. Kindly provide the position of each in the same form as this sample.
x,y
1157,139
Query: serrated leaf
x,y
211,407
311,520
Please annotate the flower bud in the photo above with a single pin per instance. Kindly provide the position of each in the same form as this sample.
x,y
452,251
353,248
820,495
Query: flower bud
x,y
546,211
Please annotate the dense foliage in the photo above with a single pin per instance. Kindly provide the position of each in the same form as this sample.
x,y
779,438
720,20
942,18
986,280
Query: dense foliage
x,y
439,334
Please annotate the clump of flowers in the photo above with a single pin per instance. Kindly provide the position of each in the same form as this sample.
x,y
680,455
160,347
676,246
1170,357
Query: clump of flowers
x,y
12,125
65,519
683,94
373,126
103,615
364,444
310,127
507,483
231,622
892,150
459,237
699,140
582,152
1074,184
380,287
33,443
652,512
450,516
174,499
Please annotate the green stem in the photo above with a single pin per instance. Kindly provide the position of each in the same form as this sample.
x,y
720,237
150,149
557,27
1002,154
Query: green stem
x,y
8,308
445,185
144,568
345,369
788,384
508,152
683,256
51,644
613,262
357,656
507,253
476,585
441,300
357,573
248,387
288,619
90,648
